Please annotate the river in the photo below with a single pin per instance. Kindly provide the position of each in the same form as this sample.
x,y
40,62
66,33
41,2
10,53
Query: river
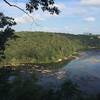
x,y
84,71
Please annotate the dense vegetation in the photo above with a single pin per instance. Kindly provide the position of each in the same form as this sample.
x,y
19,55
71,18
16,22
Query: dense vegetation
x,y
41,47
6,32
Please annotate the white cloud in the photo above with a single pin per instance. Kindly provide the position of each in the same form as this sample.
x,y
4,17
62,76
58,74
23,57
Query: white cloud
x,y
60,6
90,19
27,18
91,2
53,29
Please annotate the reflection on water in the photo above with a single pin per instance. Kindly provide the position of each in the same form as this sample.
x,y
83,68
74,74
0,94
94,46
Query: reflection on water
x,y
84,71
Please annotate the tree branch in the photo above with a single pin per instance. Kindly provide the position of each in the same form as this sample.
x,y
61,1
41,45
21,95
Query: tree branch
x,y
12,5
18,8
15,6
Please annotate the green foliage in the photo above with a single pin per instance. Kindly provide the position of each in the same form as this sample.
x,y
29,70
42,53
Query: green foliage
x,y
45,5
6,21
39,47
6,33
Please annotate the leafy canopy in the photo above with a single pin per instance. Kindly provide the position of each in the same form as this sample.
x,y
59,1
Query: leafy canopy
x,y
6,21
45,5
6,31
33,5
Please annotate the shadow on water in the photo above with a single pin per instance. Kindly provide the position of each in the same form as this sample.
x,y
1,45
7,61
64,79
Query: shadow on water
x,y
52,84
21,85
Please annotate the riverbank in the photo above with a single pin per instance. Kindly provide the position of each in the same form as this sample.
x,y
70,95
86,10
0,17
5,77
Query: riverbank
x,y
43,67
52,77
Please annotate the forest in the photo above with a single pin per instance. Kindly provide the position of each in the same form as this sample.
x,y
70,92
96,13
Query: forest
x,y
46,47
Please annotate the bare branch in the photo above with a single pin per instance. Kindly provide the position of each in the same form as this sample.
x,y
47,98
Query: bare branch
x,y
12,5
15,6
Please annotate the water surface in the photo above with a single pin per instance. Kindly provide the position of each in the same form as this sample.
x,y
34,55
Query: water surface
x,y
85,71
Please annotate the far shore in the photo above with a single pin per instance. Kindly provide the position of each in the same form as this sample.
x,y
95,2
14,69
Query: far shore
x,y
47,67
42,67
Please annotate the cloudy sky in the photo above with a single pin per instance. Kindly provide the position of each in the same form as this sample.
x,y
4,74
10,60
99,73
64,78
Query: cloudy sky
x,y
77,16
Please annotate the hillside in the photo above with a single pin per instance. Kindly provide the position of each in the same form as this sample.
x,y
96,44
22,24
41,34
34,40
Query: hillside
x,y
42,47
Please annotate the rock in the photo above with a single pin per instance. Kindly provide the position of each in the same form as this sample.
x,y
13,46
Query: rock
x,y
59,60
65,58
46,71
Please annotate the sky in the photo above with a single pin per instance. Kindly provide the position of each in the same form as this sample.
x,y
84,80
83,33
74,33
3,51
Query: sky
x,y
76,16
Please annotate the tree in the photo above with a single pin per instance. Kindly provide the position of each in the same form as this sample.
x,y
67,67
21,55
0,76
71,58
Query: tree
x,y
31,6
6,31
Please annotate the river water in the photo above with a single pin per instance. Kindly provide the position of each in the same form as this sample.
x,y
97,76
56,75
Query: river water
x,y
84,71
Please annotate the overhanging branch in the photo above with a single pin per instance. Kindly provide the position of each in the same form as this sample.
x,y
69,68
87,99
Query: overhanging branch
x,y
15,6
12,5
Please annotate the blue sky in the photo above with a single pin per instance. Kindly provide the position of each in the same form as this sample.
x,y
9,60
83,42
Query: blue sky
x,y
77,16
